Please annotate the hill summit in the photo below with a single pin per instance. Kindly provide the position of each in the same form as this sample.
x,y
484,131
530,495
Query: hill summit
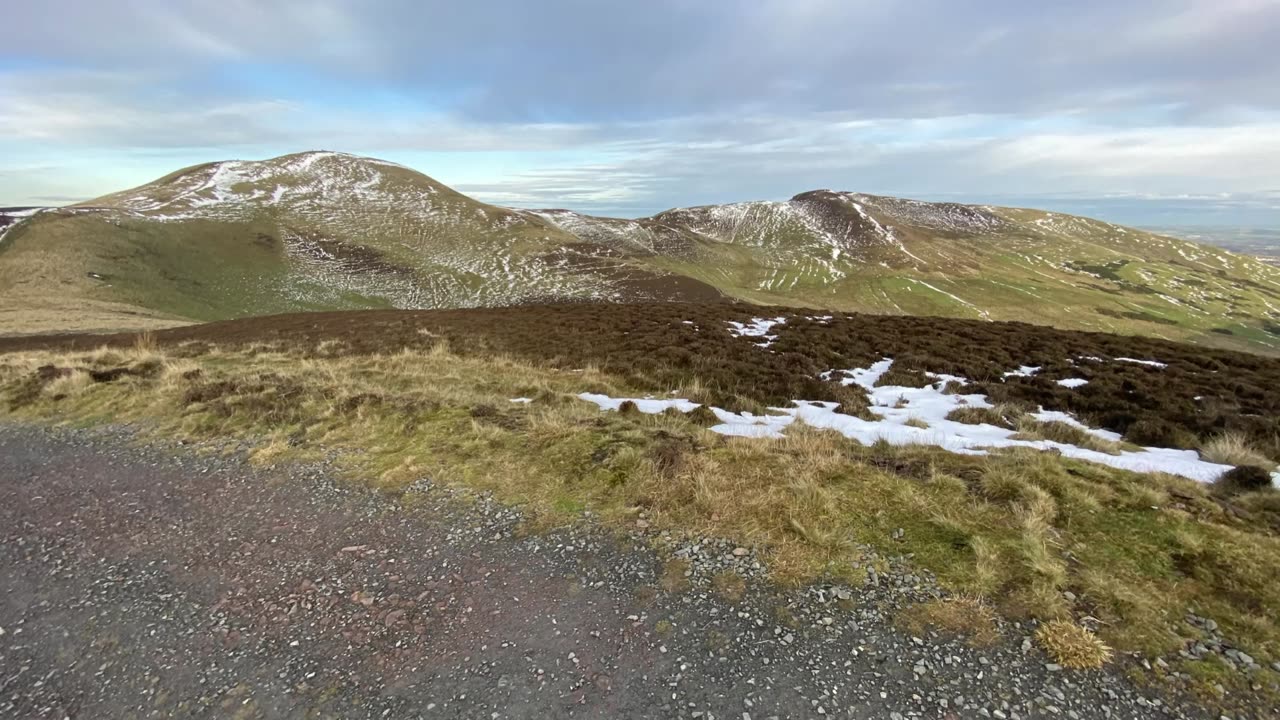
x,y
327,230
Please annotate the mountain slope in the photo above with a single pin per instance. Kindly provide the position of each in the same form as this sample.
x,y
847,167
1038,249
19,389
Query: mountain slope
x,y
840,250
325,230
299,232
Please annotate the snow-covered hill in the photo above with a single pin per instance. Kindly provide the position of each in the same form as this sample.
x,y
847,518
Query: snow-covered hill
x,y
322,230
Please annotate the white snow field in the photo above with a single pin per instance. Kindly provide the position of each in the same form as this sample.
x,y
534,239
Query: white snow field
x,y
895,405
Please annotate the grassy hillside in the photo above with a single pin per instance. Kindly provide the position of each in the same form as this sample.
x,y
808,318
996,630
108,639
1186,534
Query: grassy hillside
x,y
1033,533
847,251
300,232
333,231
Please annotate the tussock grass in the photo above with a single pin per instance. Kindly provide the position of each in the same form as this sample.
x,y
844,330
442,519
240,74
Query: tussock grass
x,y
965,616
1018,526
981,416
1057,431
1233,448
1073,646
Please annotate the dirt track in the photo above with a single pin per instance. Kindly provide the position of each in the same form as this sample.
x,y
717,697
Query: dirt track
x,y
148,581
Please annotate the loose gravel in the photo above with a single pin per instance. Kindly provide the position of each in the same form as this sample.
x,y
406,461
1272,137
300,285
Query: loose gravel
x,y
153,580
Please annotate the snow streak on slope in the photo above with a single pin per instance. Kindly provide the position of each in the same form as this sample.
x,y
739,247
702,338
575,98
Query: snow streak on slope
x,y
623,234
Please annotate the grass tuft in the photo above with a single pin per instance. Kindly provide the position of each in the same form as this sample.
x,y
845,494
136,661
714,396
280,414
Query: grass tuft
x,y
1060,432
979,416
1073,646
729,585
963,616
1233,448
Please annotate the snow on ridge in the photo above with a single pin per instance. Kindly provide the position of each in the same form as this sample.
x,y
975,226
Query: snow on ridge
x,y
23,213
16,218
895,406
947,217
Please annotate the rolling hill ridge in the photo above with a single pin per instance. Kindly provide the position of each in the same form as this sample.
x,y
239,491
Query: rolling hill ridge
x,y
324,230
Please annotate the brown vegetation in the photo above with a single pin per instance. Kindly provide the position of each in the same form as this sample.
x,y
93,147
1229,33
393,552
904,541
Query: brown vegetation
x,y
1201,394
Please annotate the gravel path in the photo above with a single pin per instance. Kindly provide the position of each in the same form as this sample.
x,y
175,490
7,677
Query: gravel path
x,y
156,581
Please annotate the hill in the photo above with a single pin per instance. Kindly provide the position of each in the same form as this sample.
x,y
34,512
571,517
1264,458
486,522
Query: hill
x,y
322,230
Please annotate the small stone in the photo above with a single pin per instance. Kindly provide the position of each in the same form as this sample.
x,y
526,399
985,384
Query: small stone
x,y
740,551
1211,625
1053,667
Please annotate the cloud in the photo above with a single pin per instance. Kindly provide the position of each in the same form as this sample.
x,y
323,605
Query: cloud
x,y
564,60
632,107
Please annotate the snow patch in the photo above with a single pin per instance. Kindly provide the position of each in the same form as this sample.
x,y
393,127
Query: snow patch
x,y
758,327
1073,382
1024,371
894,406
649,406
1057,416
1148,363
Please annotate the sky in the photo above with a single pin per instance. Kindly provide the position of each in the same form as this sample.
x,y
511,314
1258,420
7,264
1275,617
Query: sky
x,y
1147,112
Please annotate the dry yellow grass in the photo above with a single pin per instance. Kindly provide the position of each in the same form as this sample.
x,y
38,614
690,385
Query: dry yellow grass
x,y
23,315
729,585
675,576
1231,448
1073,646
965,616
1032,429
